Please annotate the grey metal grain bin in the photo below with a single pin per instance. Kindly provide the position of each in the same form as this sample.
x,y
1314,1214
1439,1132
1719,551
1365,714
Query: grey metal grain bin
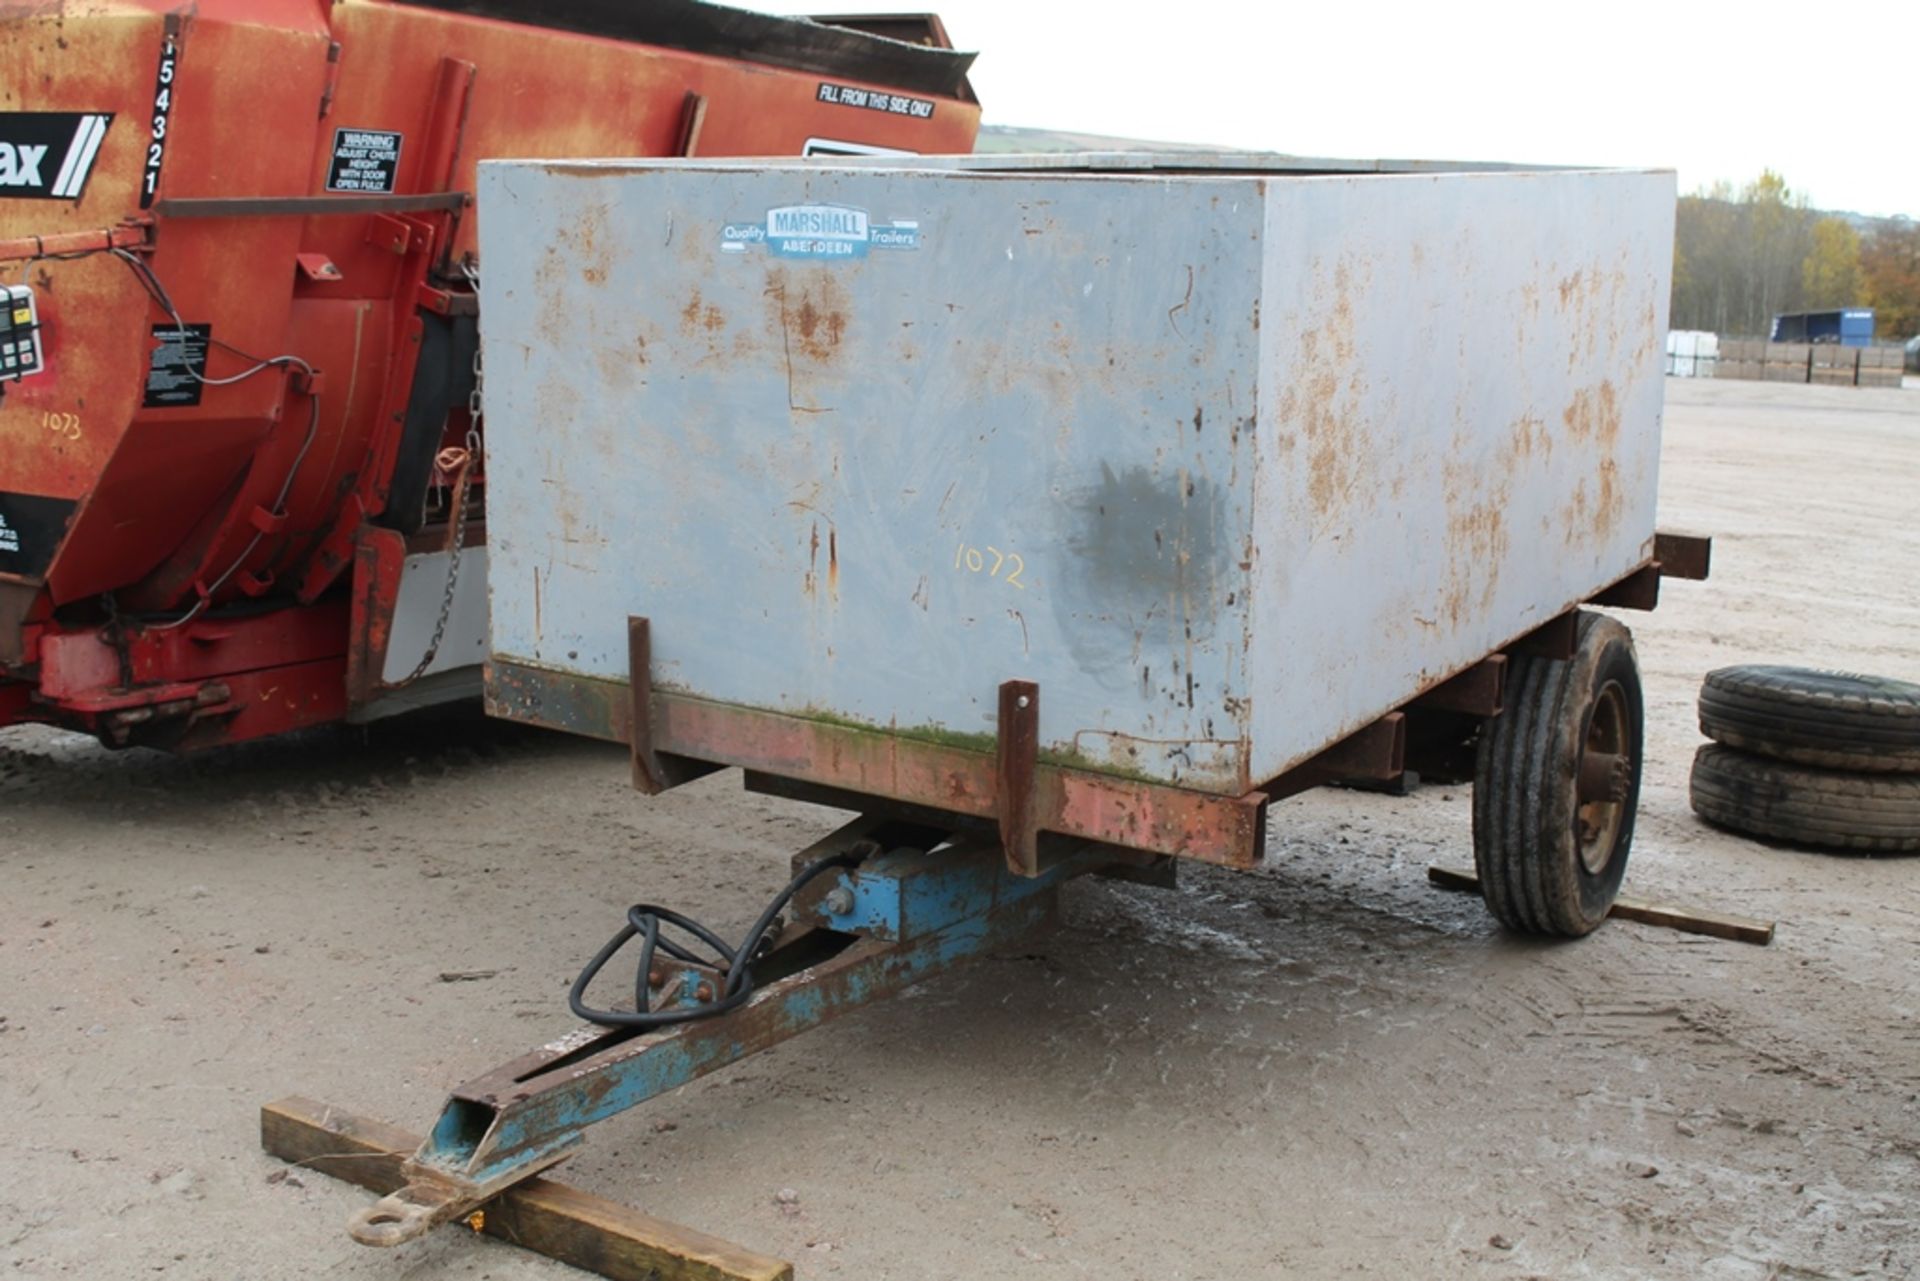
x,y
1230,457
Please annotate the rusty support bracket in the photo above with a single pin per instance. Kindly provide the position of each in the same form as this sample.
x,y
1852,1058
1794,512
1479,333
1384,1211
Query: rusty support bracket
x,y
379,559
693,120
1558,638
1478,691
446,302
446,130
1378,751
1638,590
1687,556
653,771
1018,754
648,776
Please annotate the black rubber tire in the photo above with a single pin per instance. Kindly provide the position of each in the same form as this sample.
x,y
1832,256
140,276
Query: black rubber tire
x,y
1526,820
1804,804
1833,719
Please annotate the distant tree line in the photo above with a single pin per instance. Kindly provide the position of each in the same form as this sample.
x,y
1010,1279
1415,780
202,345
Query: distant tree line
x,y
1741,257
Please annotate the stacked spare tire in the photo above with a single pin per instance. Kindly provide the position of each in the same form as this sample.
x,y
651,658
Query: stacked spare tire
x,y
1823,759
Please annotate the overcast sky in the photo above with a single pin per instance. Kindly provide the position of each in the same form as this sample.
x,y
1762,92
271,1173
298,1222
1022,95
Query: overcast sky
x,y
1823,93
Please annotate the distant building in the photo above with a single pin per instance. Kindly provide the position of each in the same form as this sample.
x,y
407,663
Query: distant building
x,y
1851,327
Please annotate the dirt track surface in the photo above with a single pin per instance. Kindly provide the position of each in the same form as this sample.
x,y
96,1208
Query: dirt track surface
x,y
1321,1068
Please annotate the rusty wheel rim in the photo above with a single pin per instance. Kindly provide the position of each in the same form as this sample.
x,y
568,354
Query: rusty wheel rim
x,y
1604,778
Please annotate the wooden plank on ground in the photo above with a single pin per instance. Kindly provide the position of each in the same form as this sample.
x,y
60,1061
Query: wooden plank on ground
x,y
541,1215
1739,929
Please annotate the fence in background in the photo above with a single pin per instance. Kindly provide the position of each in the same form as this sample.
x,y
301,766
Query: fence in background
x,y
1800,362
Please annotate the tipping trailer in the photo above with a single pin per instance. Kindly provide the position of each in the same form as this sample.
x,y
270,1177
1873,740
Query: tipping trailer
x,y
1055,515
240,479
1232,456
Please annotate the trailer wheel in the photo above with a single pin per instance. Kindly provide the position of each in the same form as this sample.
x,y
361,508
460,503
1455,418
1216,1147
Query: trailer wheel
x,y
1556,783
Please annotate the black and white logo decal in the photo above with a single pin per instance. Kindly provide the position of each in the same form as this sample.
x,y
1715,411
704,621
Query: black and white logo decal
x,y
47,155
31,528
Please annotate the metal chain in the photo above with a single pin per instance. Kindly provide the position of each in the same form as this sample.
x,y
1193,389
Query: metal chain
x,y
463,494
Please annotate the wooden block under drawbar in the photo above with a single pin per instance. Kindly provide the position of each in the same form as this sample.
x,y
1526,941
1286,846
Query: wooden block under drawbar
x,y
1738,929
548,1218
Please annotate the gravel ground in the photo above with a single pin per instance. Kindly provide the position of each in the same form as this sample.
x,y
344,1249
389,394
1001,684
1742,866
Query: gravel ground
x,y
1320,1068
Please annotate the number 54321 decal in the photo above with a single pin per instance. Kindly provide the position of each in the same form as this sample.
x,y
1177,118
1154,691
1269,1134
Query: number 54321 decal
x,y
157,125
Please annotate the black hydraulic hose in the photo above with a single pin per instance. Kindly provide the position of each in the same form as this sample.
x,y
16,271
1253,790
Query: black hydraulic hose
x,y
644,921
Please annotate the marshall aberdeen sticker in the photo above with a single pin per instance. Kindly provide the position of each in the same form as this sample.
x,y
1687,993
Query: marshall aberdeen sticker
x,y
364,160
818,231
48,155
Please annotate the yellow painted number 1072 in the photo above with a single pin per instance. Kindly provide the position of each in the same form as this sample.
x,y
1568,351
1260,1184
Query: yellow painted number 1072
x,y
974,560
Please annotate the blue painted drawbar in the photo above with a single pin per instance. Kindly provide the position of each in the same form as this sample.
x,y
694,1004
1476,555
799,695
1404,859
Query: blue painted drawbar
x,y
929,902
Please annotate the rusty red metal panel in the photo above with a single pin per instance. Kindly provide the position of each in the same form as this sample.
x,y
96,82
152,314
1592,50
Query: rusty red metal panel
x,y
378,560
274,701
78,663
17,705
189,715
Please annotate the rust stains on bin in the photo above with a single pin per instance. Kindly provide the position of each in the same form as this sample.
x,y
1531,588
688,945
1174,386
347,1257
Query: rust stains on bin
x,y
808,310
699,314
587,244
1324,397
1593,423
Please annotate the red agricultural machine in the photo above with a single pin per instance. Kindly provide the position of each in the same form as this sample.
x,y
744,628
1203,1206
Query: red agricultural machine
x,y
241,487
